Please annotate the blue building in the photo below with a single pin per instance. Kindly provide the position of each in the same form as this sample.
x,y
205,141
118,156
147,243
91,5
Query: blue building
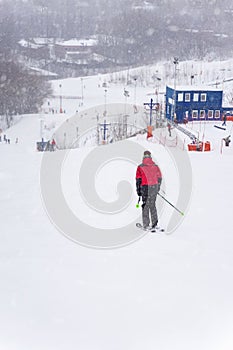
x,y
194,103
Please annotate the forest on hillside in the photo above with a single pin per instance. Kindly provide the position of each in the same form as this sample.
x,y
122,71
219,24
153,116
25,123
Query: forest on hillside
x,y
143,31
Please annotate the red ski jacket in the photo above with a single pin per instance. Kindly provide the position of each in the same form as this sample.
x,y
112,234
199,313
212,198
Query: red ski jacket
x,y
149,173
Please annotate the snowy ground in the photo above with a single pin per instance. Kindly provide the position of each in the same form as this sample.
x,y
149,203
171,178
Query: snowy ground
x,y
164,291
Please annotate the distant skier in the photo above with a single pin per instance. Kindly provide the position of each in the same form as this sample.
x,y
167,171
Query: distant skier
x,y
199,145
185,121
53,145
169,129
227,140
42,146
224,118
148,182
47,146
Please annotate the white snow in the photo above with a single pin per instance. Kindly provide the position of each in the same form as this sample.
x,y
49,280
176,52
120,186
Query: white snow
x,y
165,292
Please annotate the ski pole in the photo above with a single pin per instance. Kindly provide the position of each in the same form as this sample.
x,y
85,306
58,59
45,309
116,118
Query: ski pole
x,y
170,204
137,205
162,191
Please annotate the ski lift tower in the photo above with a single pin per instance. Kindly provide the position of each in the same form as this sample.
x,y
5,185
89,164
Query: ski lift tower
x,y
61,110
176,62
104,128
158,80
151,105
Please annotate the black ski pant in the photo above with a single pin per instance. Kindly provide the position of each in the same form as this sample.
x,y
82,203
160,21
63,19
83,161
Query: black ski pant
x,y
149,211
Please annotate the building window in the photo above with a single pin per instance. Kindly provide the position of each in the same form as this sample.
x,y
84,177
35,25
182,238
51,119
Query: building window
x,y
202,114
217,114
210,114
203,97
171,101
187,97
195,97
195,114
180,97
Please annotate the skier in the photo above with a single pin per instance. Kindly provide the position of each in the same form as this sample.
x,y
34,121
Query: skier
x,y
148,182
199,145
227,140
53,145
47,146
169,129
224,118
42,145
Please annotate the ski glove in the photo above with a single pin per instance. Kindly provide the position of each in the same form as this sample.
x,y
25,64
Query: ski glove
x,y
138,187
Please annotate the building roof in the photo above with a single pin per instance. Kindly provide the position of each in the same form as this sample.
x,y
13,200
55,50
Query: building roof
x,y
78,42
195,88
43,72
43,41
28,44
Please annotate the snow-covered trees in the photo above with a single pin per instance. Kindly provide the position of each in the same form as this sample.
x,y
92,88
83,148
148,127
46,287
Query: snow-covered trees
x,y
20,90
137,31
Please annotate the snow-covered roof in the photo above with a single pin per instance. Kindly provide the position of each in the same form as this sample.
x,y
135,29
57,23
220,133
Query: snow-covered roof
x,y
207,31
43,41
98,58
77,53
191,30
78,42
28,44
221,35
43,72
35,43
195,88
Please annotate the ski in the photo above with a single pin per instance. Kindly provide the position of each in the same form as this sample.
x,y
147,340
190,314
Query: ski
x,y
158,229
219,127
